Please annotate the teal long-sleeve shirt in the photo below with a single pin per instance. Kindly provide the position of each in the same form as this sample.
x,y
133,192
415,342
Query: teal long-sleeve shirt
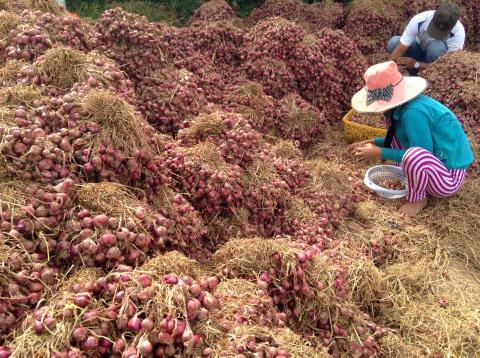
x,y
426,123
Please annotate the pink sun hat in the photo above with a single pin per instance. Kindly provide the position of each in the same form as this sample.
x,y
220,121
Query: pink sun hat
x,y
386,88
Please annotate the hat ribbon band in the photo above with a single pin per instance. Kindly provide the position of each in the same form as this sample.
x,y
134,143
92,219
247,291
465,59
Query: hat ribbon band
x,y
381,94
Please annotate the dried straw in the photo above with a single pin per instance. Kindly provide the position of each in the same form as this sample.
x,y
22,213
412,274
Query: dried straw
x,y
108,198
12,192
63,66
297,210
9,71
209,154
51,6
19,95
394,346
326,176
6,118
172,262
203,126
8,22
286,149
281,337
456,221
244,257
239,299
301,119
119,124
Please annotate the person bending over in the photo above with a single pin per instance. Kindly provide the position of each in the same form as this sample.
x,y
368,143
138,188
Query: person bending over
x,y
424,137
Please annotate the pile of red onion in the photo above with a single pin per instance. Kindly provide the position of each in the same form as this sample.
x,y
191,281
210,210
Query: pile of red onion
x,y
372,36
131,41
40,32
213,10
275,77
169,98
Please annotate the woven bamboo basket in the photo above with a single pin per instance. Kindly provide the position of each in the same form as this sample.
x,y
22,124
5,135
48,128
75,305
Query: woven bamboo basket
x,y
356,132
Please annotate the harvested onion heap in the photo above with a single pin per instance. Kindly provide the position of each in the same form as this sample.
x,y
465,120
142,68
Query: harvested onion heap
x,y
275,77
311,16
131,41
169,98
313,70
214,10
237,140
304,285
459,91
40,31
220,42
110,227
63,67
249,99
299,121
373,35
147,310
211,183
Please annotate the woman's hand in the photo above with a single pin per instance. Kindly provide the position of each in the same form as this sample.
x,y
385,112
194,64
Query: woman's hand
x,y
368,152
361,144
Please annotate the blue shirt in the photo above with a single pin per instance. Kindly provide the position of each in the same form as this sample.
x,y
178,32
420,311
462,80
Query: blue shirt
x,y
424,122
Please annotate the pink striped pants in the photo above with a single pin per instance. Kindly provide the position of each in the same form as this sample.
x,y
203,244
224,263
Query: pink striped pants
x,y
427,175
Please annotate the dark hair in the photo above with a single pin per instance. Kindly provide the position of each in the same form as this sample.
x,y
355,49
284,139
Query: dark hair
x,y
391,128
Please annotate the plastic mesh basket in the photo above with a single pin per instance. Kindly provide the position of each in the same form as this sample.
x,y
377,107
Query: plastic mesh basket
x,y
386,172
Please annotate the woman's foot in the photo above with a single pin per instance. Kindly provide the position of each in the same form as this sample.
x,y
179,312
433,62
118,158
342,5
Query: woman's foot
x,y
412,209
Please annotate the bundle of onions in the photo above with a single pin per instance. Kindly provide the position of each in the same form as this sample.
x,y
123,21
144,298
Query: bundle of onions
x,y
32,213
213,10
283,40
300,121
350,64
131,41
185,230
40,31
208,79
212,184
371,37
220,41
24,280
249,99
63,67
169,98
237,140
123,312
276,79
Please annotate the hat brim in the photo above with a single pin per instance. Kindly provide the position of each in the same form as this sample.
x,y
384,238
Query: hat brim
x,y
408,89
436,33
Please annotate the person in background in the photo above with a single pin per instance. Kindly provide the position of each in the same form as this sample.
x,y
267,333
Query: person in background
x,y
428,36
424,137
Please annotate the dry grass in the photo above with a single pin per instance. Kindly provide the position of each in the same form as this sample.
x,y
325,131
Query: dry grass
x,y
63,66
286,149
172,262
19,95
119,123
244,257
456,221
108,198
8,22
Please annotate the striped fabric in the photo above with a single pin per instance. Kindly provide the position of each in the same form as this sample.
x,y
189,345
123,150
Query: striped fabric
x,y
426,174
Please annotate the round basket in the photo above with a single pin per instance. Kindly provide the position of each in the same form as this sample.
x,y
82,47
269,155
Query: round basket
x,y
386,172
356,132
